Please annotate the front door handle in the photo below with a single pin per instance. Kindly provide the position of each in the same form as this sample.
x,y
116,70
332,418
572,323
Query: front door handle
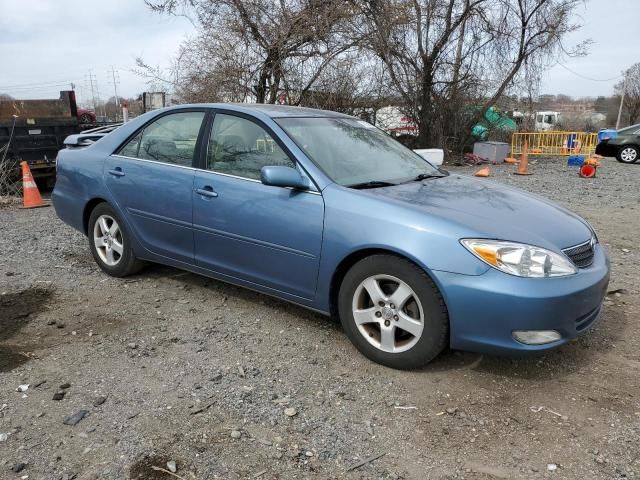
x,y
206,191
116,172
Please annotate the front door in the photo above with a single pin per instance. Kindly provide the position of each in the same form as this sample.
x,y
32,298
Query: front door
x,y
268,236
151,179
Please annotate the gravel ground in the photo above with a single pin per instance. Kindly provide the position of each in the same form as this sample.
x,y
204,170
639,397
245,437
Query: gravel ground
x,y
169,366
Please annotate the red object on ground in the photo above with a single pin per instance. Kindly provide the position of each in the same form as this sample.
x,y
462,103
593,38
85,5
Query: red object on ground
x,y
587,171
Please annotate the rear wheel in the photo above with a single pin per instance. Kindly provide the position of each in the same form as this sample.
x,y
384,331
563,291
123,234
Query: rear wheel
x,y
628,154
110,243
393,312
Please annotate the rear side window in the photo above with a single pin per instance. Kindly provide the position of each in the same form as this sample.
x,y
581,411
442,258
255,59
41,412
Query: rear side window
x,y
170,139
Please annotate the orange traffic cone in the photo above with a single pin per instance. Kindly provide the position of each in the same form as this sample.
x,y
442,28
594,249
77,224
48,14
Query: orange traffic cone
x,y
523,166
510,160
30,194
483,172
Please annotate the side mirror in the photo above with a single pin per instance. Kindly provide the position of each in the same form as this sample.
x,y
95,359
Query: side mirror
x,y
283,177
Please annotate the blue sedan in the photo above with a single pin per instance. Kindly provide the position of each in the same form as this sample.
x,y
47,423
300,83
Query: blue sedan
x,y
328,212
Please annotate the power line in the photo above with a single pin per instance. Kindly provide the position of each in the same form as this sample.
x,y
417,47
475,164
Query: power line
x,y
36,84
589,78
43,87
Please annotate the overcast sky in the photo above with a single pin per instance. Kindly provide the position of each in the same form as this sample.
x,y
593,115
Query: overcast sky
x,y
47,44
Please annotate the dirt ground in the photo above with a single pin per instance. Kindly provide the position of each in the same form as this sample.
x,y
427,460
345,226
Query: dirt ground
x,y
169,366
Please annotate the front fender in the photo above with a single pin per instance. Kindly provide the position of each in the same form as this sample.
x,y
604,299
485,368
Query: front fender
x,y
355,222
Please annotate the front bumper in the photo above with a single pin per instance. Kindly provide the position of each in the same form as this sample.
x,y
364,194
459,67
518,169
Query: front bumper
x,y
484,310
607,150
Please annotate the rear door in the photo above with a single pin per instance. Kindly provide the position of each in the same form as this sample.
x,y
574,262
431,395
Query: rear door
x,y
151,179
265,235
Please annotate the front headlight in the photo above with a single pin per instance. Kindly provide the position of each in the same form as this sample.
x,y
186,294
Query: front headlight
x,y
520,259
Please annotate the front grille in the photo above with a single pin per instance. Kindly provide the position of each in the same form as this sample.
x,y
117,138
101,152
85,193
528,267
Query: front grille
x,y
581,255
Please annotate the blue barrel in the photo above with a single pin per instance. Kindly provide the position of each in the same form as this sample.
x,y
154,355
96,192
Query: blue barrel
x,y
575,161
572,141
607,134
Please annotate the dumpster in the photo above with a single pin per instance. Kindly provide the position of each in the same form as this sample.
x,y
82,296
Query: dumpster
x,y
494,152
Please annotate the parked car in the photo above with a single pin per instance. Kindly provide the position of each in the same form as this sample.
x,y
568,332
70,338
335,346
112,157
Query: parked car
x,y
326,211
86,116
625,146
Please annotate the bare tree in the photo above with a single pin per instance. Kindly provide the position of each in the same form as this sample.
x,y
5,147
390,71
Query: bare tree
x,y
443,53
257,48
631,92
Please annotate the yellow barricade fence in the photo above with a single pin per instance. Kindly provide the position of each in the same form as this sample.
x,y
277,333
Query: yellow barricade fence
x,y
555,143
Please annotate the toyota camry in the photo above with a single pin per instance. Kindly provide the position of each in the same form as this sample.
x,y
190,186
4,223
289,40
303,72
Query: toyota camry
x,y
326,211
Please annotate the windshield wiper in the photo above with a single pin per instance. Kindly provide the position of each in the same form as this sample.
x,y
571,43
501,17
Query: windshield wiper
x,y
425,176
371,184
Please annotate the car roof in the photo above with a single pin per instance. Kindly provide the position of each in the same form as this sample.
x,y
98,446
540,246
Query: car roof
x,y
270,110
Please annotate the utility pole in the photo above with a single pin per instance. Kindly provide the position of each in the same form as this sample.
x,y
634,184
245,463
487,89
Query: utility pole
x,y
95,92
114,74
624,90
93,86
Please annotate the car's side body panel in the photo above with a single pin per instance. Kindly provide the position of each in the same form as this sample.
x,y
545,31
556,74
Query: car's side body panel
x,y
78,181
155,199
267,235
611,147
366,221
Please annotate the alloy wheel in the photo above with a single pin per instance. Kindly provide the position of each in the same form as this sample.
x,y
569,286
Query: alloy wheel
x,y
388,313
629,155
107,238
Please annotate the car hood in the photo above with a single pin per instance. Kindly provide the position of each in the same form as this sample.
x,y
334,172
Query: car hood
x,y
621,138
491,210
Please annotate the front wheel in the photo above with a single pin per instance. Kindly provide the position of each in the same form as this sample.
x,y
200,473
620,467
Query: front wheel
x,y
628,154
393,312
110,244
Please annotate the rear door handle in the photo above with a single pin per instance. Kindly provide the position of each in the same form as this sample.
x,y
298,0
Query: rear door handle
x,y
116,172
206,191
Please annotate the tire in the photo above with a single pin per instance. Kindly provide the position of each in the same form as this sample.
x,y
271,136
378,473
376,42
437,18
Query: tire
x,y
112,252
628,154
376,329
85,118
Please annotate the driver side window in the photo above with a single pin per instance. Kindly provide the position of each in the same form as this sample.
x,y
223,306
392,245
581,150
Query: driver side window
x,y
240,147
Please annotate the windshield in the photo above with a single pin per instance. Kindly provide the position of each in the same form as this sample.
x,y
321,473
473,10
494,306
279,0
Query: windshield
x,y
353,152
